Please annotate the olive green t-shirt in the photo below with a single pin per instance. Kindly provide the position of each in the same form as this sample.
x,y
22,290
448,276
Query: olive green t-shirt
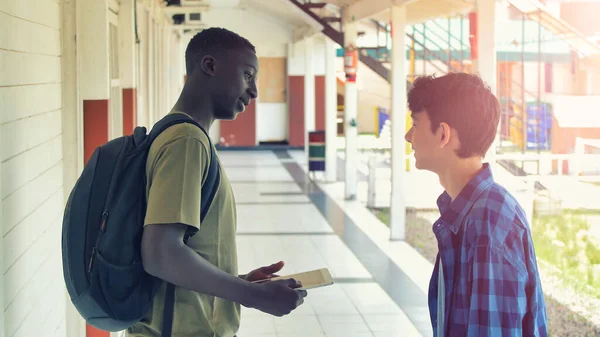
x,y
177,166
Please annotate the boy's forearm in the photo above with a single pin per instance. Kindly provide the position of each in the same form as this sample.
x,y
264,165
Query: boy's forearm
x,y
185,268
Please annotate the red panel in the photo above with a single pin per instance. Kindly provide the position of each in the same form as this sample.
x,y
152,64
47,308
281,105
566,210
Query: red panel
x,y
320,102
129,111
296,109
95,133
90,331
473,34
95,127
548,77
242,130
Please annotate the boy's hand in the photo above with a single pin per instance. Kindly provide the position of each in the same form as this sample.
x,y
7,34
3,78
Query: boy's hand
x,y
264,273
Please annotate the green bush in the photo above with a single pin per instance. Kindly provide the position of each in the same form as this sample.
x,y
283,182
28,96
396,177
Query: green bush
x,y
563,241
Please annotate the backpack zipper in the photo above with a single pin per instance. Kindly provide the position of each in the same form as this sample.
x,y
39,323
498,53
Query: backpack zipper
x,y
95,249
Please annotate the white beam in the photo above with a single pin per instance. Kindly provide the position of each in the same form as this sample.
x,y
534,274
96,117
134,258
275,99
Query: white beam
x,y
398,204
309,92
127,45
304,32
367,8
2,325
72,147
305,16
350,122
172,10
182,27
92,49
330,111
486,56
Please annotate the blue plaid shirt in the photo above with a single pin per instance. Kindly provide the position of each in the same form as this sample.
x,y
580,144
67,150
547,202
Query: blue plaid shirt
x,y
492,285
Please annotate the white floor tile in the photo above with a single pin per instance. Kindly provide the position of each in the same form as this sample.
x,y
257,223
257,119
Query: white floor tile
x,y
398,322
340,310
257,324
268,193
370,299
258,174
302,333
298,323
344,327
281,219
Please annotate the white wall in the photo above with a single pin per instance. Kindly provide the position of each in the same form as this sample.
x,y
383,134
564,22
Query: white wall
x,y
32,168
296,57
270,36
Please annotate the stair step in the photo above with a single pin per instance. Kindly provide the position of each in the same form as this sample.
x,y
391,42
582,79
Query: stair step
x,y
332,19
315,5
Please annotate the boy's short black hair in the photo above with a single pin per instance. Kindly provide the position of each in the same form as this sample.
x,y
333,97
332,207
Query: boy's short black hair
x,y
465,103
213,40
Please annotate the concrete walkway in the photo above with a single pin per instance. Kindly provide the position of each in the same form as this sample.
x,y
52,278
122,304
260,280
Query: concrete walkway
x,y
380,286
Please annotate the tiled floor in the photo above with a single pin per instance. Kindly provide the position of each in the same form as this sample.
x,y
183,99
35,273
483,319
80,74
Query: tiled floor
x,y
277,220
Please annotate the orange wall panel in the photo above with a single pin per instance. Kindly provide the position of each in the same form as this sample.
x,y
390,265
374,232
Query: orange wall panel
x,y
242,130
95,126
296,110
320,102
129,111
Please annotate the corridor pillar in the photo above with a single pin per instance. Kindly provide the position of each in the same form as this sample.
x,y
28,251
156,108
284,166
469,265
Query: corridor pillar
x,y
330,111
94,87
486,63
350,114
127,64
399,110
2,325
309,91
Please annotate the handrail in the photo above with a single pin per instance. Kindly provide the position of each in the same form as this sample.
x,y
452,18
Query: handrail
x,y
424,51
428,38
425,37
444,58
525,90
554,24
462,43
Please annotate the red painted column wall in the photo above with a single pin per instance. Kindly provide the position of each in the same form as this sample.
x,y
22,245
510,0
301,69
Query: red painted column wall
x,y
95,133
296,110
129,110
242,130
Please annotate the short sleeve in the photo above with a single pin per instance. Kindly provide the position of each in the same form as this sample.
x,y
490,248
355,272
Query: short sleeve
x,y
175,183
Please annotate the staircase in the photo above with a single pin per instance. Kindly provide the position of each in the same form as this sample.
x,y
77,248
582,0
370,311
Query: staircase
x,y
338,37
536,11
429,45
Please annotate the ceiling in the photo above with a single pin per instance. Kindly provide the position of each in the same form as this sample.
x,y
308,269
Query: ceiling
x,y
417,10
422,10
286,12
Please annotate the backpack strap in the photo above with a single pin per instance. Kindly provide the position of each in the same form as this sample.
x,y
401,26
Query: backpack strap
x,y
209,189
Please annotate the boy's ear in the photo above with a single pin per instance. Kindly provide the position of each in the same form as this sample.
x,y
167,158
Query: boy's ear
x,y
445,133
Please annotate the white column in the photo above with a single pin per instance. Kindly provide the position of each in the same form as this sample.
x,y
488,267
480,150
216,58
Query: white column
x,y
92,49
151,72
141,58
398,116
127,64
350,120
330,111
72,138
309,91
486,54
165,65
2,325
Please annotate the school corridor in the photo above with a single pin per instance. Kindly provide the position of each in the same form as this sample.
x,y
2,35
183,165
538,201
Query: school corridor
x,y
380,286
75,74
